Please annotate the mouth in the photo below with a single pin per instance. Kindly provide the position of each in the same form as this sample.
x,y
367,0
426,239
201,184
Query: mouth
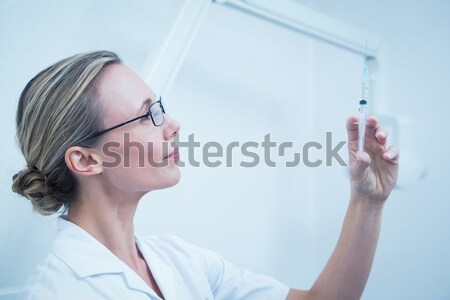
x,y
173,154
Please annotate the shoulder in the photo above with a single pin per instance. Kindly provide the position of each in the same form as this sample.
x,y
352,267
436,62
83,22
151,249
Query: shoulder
x,y
225,280
163,239
170,244
49,279
172,249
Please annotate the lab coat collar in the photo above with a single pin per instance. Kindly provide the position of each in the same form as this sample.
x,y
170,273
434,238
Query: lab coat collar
x,y
82,252
87,257
162,274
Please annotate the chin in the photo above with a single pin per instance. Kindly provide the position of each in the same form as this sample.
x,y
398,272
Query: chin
x,y
163,179
173,178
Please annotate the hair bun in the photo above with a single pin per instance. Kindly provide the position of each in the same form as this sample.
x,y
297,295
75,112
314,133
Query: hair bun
x,y
29,182
32,184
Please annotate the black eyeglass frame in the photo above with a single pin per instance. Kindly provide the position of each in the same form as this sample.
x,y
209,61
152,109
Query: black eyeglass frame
x,y
148,113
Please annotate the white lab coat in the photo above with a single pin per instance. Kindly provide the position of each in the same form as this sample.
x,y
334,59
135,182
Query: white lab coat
x,y
80,267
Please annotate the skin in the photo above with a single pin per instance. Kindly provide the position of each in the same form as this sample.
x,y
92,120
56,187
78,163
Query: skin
x,y
108,197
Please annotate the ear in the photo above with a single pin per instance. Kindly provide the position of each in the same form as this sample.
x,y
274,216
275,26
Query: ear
x,y
83,161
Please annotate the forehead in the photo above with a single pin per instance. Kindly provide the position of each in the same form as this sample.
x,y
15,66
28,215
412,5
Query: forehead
x,y
122,93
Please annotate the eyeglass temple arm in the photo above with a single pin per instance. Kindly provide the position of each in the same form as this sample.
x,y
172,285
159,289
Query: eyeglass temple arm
x,y
120,125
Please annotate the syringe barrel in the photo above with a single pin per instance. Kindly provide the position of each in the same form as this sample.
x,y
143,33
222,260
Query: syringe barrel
x,y
363,108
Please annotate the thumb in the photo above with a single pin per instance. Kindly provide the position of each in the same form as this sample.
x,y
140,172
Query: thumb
x,y
360,165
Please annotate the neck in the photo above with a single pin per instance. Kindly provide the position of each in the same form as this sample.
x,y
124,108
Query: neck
x,y
109,219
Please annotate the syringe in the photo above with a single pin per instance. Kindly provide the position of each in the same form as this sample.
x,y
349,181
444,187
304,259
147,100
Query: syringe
x,y
363,109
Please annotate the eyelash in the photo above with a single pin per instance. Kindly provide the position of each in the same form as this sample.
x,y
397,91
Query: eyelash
x,y
146,117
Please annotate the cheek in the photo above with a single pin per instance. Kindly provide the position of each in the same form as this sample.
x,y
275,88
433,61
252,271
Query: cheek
x,y
141,165
143,154
133,154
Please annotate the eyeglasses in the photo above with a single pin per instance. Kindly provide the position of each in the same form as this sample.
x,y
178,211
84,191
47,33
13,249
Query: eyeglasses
x,y
156,112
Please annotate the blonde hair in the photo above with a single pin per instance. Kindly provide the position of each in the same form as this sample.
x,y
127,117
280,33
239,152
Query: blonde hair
x,y
57,109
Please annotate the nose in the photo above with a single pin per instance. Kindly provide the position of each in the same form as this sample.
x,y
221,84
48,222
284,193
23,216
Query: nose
x,y
171,128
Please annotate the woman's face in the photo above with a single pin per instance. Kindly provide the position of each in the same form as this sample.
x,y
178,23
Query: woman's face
x,y
135,154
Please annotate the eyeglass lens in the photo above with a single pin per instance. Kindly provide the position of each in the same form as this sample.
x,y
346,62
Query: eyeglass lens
x,y
156,111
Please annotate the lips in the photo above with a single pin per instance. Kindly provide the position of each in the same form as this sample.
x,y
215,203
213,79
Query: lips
x,y
174,153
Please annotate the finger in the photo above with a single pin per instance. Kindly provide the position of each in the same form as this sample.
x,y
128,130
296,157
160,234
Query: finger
x,y
371,127
381,134
392,154
352,128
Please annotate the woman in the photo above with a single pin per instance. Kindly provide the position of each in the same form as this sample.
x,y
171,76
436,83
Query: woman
x,y
67,115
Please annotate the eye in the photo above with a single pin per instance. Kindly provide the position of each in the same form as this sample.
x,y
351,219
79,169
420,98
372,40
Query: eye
x,y
146,117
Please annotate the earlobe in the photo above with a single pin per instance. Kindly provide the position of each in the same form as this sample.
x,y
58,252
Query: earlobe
x,y
83,161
